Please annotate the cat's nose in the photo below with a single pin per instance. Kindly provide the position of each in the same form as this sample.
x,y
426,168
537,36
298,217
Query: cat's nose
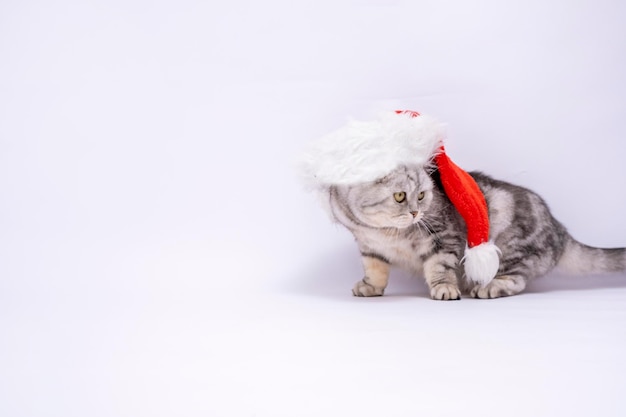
x,y
414,214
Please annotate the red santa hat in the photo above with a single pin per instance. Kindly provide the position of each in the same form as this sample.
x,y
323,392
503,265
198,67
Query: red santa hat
x,y
366,151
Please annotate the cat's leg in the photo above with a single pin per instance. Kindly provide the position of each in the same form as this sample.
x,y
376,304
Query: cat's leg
x,y
440,275
500,286
376,277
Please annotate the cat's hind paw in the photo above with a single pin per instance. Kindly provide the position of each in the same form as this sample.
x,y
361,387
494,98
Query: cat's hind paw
x,y
501,286
445,292
365,289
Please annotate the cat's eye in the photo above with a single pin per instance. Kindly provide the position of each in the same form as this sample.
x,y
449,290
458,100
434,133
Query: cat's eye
x,y
421,196
399,196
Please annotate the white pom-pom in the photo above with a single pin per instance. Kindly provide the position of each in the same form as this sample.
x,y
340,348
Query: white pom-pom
x,y
481,263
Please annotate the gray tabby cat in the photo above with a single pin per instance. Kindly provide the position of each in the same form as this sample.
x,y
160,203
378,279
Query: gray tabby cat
x,y
405,219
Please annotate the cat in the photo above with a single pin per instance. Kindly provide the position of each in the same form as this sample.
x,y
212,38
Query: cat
x,y
405,219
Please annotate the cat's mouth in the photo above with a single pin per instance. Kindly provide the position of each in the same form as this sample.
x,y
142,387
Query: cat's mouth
x,y
408,220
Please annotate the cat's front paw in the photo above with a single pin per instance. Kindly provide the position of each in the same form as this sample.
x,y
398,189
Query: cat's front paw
x,y
365,289
445,292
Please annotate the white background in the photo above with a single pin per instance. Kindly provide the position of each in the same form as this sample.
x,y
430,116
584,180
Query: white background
x,y
158,257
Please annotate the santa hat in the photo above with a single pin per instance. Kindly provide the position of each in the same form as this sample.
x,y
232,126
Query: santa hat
x,y
366,151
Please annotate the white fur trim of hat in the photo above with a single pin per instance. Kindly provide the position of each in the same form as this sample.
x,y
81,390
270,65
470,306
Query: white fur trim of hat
x,y
364,151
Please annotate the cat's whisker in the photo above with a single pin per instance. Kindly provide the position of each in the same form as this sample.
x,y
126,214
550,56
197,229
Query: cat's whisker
x,y
426,228
432,221
419,227
429,227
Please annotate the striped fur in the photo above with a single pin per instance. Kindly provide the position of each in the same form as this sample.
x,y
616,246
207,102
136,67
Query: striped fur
x,y
426,236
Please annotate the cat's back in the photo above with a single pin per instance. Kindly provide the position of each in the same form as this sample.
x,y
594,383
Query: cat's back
x,y
505,195
514,210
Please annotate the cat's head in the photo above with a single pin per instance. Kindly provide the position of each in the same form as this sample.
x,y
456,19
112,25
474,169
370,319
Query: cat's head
x,y
397,200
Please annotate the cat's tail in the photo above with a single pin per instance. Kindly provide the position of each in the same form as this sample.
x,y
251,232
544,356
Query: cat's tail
x,y
582,259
